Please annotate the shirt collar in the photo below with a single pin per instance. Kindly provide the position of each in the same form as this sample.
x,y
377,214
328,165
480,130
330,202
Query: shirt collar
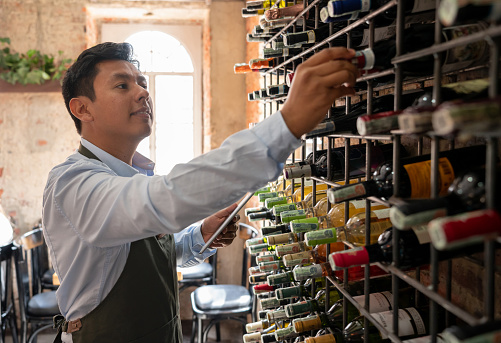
x,y
140,163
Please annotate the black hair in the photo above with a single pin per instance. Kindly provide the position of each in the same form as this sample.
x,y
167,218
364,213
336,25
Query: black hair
x,y
79,78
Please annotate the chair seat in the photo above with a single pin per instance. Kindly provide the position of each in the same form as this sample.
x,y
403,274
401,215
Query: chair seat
x,y
43,305
199,271
221,297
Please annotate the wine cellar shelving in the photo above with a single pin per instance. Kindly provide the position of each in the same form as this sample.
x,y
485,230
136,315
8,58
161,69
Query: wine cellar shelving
x,y
400,85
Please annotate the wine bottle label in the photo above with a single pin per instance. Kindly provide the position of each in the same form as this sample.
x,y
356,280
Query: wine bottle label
x,y
254,241
403,221
263,196
423,5
377,123
464,229
288,216
380,33
251,337
289,292
293,248
307,324
304,225
419,176
277,210
382,214
464,56
281,278
337,195
266,258
422,234
297,259
269,303
270,266
262,190
378,302
282,334
274,316
270,202
283,238
358,204
409,322
321,237
255,249
303,273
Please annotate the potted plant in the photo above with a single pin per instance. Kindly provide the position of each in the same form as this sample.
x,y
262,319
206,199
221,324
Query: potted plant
x,y
31,67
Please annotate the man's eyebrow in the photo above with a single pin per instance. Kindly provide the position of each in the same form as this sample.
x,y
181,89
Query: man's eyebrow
x,y
127,77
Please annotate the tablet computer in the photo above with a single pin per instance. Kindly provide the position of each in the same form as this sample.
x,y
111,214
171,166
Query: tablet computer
x,y
241,204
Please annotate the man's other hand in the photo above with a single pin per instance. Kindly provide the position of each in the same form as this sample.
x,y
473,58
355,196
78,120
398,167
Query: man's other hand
x,y
212,223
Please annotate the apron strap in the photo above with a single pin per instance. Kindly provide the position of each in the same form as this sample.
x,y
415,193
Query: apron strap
x,y
87,153
62,325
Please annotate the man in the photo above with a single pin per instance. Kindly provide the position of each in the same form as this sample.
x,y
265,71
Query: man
x,y
115,230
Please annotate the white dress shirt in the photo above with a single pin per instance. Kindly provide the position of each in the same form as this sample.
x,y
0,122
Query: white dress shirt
x,y
93,210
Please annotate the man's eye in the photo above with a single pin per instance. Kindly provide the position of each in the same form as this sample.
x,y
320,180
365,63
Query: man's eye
x,y
145,86
122,86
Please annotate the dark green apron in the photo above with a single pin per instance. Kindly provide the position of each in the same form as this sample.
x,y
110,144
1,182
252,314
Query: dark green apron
x,y
143,306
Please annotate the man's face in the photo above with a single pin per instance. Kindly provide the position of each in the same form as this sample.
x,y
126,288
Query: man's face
x,y
122,107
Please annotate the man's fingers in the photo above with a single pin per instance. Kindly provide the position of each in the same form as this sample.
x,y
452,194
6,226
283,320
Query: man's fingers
x,y
337,53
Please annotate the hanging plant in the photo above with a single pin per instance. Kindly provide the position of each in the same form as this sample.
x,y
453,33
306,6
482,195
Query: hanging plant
x,y
32,67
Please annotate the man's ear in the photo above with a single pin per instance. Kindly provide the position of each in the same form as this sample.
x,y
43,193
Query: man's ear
x,y
79,108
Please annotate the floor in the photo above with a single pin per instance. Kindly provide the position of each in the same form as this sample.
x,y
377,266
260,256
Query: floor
x,y
225,336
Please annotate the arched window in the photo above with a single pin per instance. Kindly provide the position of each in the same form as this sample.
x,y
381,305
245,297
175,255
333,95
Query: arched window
x,y
174,83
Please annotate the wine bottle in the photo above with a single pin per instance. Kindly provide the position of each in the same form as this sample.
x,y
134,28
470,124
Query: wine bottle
x,y
464,229
325,17
312,305
467,117
344,7
320,209
271,266
379,153
333,318
324,338
418,37
286,12
412,322
272,303
487,332
262,288
257,326
273,214
291,248
321,193
280,278
414,251
414,176
318,35
258,278
317,255
453,12
466,193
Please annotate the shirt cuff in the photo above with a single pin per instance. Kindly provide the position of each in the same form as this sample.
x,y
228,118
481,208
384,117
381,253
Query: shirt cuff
x,y
277,137
198,242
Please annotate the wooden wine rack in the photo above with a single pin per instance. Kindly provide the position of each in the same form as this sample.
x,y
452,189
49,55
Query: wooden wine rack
x,y
397,88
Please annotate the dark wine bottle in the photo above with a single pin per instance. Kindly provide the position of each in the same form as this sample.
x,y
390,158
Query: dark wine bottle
x,y
466,193
487,332
414,251
418,37
344,7
415,176
380,153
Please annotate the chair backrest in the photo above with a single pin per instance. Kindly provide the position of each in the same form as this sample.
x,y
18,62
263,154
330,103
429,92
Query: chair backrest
x,y
22,280
33,246
6,278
